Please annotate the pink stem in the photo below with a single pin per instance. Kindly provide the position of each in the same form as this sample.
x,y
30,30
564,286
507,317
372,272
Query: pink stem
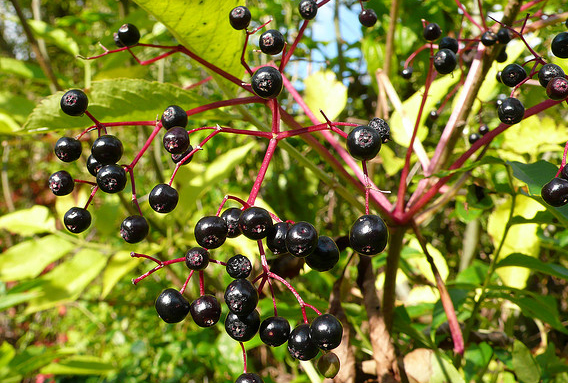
x,y
468,16
146,145
293,290
201,283
182,290
244,357
93,192
100,126
262,171
132,182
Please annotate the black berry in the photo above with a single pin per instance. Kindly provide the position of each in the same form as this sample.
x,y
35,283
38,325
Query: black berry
x,y
564,172
489,38
178,157
502,56
117,41
548,72
368,18
93,166
300,344
276,238
301,239
432,32
241,297
239,266
205,310
174,115
77,219
163,198
557,88
271,42
171,306
445,61
197,258
513,74
473,138
363,143
382,128
559,45
240,17
325,255
74,102
61,183
68,149
266,82
449,43
242,328
107,149
210,232
255,222
128,35
503,36
511,111
308,9
433,115
231,217
274,331
134,228
406,73
555,192
176,140
111,178
483,129
249,377
326,332
368,235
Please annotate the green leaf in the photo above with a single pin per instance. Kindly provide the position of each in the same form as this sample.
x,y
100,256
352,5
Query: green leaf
x,y
21,68
535,264
56,36
443,371
79,365
550,135
7,353
35,220
17,107
203,27
11,300
534,175
324,92
28,259
119,265
66,282
525,366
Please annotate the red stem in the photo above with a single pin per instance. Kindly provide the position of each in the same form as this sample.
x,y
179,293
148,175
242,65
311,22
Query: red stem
x,y
262,171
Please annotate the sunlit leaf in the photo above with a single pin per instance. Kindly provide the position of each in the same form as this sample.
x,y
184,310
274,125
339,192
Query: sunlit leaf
x,y
119,265
26,222
324,92
526,367
79,365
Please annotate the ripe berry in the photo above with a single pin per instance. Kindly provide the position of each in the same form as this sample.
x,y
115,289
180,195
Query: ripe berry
x,y
368,18
266,82
171,306
363,143
61,183
328,365
483,129
300,344
500,98
205,311
473,138
163,198
107,149
255,222
548,72
449,43
557,88
134,228
241,297
308,9
117,41
489,38
231,217
68,149
511,111
276,238
502,56
238,266
445,61
301,239
564,172
249,377
433,115
174,115
326,332
406,73
77,219
93,166
111,178
555,192
197,258
178,157
271,42
242,328
240,17
325,255
503,36
382,128
176,140
210,232
74,102
368,235
432,32
274,331
128,35
513,74
559,45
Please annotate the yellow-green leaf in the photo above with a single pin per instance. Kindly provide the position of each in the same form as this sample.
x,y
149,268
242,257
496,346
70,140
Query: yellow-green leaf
x,y
324,92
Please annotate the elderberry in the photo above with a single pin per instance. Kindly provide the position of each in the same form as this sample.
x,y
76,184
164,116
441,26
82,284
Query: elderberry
x,y
134,228
555,192
176,140
300,343
511,111
74,102
176,158
267,82
111,178
77,219
255,222
308,9
93,166
249,377
276,238
548,72
128,35
363,143
449,43
445,61
432,31
368,17
210,232
489,38
301,239
274,331
271,42
241,297
171,306
239,17
174,115
559,45
68,149
61,183
368,235
205,311
382,128
326,332
242,328
557,88
325,255
513,74
107,149
231,218
163,198
238,266
406,73
197,258
503,36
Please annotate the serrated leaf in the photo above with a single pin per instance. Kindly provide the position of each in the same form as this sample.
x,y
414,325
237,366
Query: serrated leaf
x,y
28,259
119,265
521,260
66,282
117,100
525,366
26,222
324,92
203,27
79,365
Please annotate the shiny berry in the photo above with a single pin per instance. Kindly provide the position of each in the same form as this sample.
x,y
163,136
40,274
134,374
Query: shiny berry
x,y
240,17
255,222
325,255
549,71
77,219
406,73
368,17
93,166
117,41
511,111
74,102
68,149
326,332
308,9
432,32
61,183
128,35
231,217
513,74
473,138
239,266
433,115
382,128
171,306
564,172
503,36
300,344
205,311
242,328
111,178
163,198
271,42
197,258
249,377
301,239
445,61
276,238
368,235
557,88
489,38
241,297
107,149
176,140
363,143
266,82
174,115
483,129
134,228
449,43
555,192
502,56
210,232
178,157
559,45
274,331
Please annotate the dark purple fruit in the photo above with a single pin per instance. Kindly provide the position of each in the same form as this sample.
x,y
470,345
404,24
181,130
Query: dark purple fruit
x,y
267,82
128,35
325,255
241,297
433,115
364,142
300,344
559,45
483,129
511,111
163,198
176,140
555,192
445,61
68,149
301,239
276,238
93,166
274,331
449,43
548,72
134,228
557,88
368,17
249,377
489,38
432,32
242,328
255,222
174,115
564,172
368,235
271,42
326,332
406,73
107,149
231,217
210,232
178,157
74,102
77,219
171,306
239,266
513,74
205,311
197,258
61,183
473,138
503,36
240,17
502,56
382,127
111,178
308,9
